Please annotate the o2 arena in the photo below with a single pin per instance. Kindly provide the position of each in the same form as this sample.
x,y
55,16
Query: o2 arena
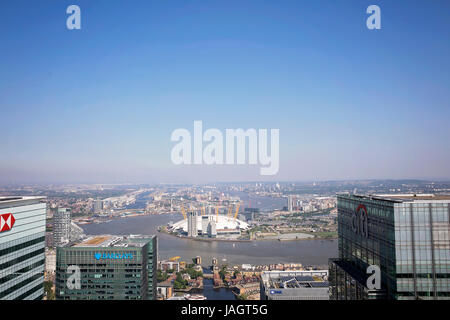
x,y
209,226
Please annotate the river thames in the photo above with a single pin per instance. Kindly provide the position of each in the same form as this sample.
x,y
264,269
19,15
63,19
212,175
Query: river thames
x,y
307,252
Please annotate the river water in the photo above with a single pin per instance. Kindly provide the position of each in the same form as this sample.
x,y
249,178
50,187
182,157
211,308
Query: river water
x,y
307,252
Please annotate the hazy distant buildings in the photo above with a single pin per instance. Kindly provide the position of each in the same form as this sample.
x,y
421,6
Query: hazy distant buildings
x,y
406,236
22,248
249,213
112,268
61,227
98,206
290,205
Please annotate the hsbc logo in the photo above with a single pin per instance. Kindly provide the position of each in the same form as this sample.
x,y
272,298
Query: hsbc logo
x,y
6,221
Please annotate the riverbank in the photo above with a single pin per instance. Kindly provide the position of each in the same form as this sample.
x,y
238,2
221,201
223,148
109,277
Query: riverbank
x,y
161,230
281,238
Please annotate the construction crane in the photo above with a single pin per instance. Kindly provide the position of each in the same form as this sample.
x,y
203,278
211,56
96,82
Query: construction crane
x,y
184,213
203,210
237,210
217,213
176,258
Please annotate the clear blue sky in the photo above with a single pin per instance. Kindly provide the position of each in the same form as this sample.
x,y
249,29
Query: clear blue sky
x,y
99,104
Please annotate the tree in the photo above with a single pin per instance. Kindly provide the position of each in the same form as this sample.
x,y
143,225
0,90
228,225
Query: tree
x,y
179,283
49,293
161,276
222,273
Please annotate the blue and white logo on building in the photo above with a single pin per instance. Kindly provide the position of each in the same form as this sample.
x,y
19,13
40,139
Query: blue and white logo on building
x,y
275,291
114,256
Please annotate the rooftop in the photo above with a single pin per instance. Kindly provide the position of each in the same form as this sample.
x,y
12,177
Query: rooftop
x,y
18,198
115,241
295,279
11,201
424,197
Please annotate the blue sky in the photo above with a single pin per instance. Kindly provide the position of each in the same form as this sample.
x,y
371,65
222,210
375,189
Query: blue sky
x,y
99,104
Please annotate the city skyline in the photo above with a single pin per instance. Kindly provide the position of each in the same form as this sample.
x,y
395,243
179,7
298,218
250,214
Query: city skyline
x,y
98,105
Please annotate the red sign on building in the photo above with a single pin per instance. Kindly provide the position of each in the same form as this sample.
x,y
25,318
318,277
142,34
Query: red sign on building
x,y
6,221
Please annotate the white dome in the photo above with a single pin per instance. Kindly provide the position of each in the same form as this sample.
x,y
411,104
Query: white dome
x,y
222,222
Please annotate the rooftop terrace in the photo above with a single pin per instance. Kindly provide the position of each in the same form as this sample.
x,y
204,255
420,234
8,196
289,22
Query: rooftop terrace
x,y
115,241
406,197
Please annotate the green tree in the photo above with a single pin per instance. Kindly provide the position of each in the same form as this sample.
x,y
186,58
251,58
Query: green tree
x,y
49,293
161,276
222,273
179,282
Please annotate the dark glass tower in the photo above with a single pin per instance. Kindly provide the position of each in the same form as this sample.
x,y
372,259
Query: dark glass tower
x,y
406,236
110,268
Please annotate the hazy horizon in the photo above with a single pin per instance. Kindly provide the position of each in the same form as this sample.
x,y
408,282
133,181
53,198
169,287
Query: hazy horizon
x,y
143,183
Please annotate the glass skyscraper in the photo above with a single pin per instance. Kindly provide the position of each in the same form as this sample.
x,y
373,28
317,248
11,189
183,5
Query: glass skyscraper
x,y
406,236
61,227
108,268
22,248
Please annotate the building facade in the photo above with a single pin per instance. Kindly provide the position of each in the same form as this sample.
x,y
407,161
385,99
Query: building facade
x,y
294,285
61,227
192,224
290,205
212,229
249,213
109,268
205,222
405,236
97,206
22,248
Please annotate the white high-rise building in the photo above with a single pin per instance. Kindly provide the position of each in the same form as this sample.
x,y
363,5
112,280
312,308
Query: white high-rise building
x,y
98,206
290,203
212,229
192,224
61,227
205,222
22,248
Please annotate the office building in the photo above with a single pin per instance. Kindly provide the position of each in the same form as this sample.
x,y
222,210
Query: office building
x,y
294,285
61,227
406,236
249,213
98,206
110,268
168,265
212,229
22,248
290,203
192,224
205,222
